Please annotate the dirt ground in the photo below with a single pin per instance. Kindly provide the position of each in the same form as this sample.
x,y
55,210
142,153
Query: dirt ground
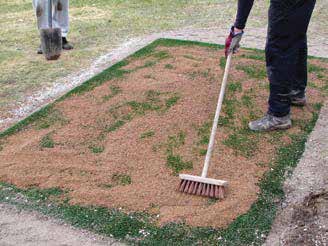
x,y
122,144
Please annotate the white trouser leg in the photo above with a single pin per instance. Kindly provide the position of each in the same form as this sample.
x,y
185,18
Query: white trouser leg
x,y
60,16
41,12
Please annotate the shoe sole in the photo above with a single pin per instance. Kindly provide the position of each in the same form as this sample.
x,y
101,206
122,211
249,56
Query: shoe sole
x,y
280,127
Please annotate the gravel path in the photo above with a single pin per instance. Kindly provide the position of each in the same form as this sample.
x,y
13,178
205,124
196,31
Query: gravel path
x,y
30,228
303,218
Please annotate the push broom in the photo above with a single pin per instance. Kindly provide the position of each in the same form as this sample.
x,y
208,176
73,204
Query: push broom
x,y
201,185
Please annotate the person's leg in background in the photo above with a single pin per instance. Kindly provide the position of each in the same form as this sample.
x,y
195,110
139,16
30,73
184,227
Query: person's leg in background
x,y
61,20
286,60
40,8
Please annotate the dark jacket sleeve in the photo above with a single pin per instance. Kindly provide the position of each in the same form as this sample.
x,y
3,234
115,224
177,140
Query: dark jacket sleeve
x,y
244,8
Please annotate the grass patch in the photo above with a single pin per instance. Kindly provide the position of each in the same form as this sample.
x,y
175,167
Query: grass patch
x,y
247,101
315,69
168,66
52,118
229,109
170,102
176,141
154,101
176,164
47,141
202,152
234,87
173,161
160,55
223,62
115,90
147,134
258,56
243,142
97,149
121,179
203,133
253,71
116,125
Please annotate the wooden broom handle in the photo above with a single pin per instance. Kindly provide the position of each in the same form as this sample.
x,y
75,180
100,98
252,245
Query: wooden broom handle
x,y
216,118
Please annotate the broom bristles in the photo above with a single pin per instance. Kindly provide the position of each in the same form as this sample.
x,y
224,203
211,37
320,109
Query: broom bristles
x,y
195,185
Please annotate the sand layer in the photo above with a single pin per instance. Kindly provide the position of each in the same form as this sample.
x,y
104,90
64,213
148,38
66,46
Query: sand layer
x,y
111,146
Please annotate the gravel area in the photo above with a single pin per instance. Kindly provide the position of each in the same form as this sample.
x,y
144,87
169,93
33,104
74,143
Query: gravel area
x,y
303,217
30,228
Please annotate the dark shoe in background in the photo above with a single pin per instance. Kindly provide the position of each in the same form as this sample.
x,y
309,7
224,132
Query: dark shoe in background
x,y
67,45
39,50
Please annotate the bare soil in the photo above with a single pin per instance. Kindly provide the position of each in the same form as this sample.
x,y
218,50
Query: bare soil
x,y
92,144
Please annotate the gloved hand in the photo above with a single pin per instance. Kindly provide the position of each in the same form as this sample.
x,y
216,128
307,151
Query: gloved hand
x,y
232,42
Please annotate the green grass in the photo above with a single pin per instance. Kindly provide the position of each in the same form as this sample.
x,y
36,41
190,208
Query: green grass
x,y
174,161
154,101
169,66
176,164
223,61
97,149
253,71
116,125
47,141
115,90
258,56
234,87
121,179
53,117
315,69
247,100
147,134
243,142
203,133
176,141
170,102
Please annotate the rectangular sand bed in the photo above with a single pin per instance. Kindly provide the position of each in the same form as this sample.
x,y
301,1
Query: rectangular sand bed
x,y
119,140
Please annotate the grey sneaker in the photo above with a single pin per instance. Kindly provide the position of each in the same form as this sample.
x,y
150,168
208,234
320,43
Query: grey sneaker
x,y
270,123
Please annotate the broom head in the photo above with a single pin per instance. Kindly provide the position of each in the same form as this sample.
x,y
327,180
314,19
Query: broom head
x,y
196,185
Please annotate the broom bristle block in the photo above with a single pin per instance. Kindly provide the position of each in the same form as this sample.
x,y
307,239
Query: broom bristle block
x,y
202,189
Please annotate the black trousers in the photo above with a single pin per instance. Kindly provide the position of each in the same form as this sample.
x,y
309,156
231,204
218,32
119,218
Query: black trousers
x,y
286,52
